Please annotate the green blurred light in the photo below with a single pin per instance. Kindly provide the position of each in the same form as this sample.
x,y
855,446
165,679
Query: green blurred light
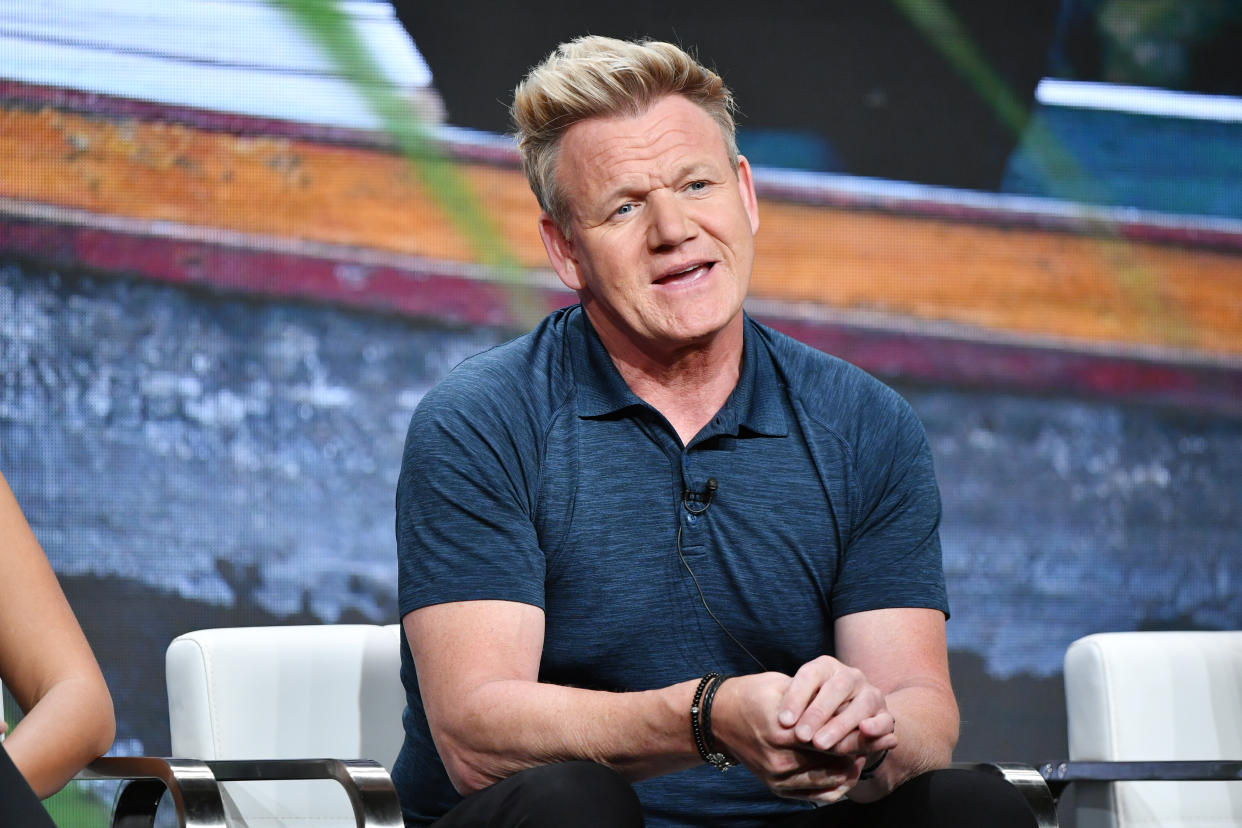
x,y
334,32
1064,175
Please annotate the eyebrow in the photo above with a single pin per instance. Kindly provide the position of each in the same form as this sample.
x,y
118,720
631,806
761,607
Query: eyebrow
x,y
697,169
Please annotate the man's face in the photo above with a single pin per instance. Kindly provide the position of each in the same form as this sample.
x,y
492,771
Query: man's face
x,y
661,229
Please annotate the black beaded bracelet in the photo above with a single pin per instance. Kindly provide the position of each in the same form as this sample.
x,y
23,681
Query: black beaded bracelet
x,y
871,767
695,727
714,757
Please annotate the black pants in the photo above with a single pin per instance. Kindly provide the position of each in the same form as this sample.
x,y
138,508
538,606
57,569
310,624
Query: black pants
x,y
586,794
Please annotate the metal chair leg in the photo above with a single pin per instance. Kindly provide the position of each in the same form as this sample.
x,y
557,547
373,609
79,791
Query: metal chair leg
x,y
1030,783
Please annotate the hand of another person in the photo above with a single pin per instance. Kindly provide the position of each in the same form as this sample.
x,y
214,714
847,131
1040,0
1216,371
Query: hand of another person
x,y
746,724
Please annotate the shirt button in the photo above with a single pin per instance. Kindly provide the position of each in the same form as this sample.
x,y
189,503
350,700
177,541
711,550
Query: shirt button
x,y
692,519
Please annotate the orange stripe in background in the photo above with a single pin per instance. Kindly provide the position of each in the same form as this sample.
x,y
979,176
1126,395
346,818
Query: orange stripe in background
x,y
1009,281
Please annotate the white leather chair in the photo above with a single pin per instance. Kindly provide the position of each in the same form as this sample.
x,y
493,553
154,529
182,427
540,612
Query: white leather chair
x,y
1155,697
275,727
288,693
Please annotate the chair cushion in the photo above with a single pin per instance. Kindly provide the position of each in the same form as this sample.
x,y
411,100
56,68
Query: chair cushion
x,y
1156,696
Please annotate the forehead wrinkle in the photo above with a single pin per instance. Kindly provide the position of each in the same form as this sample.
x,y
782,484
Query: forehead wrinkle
x,y
621,155
630,158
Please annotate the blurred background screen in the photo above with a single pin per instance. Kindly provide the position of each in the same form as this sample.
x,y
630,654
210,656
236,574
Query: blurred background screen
x,y
240,240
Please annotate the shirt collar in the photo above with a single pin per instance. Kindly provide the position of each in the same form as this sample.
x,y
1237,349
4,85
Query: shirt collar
x,y
601,390
754,404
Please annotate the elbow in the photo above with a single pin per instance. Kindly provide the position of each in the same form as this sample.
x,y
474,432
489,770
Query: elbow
x,y
466,783
105,733
99,730
953,730
472,761
943,726
939,749
942,755
466,769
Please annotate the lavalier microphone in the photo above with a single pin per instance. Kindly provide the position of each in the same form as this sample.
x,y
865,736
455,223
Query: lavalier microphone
x,y
697,503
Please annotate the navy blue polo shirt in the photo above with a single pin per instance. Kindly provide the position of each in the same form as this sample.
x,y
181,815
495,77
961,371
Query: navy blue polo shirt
x,y
533,473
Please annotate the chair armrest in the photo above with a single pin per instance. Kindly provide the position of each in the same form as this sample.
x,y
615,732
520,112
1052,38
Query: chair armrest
x,y
1029,782
367,783
194,786
1060,774
189,782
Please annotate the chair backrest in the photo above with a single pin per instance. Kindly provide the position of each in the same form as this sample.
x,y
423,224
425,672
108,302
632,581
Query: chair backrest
x,y
330,691
1156,696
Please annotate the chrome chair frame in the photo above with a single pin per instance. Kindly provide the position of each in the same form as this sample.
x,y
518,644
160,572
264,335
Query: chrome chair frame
x,y
1061,774
194,786
1029,782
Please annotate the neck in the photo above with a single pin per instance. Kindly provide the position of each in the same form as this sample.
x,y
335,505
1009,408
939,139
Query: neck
x,y
687,383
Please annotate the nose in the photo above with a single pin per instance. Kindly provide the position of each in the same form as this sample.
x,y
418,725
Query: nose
x,y
669,222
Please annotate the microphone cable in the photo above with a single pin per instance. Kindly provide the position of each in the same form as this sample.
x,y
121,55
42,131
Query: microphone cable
x,y
685,500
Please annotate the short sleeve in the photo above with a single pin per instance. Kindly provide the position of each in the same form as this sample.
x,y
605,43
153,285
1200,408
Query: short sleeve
x,y
892,554
465,500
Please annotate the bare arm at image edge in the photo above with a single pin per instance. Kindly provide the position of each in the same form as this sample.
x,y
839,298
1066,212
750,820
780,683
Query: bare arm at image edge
x,y
46,664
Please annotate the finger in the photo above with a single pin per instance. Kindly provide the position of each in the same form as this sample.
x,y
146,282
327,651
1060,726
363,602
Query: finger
x,y
834,795
856,745
814,783
870,728
866,703
824,796
804,686
870,737
831,702
878,725
837,684
810,769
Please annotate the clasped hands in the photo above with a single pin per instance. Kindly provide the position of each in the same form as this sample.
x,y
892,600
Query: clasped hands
x,y
807,736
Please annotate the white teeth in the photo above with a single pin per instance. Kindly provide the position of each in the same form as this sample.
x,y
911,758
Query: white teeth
x,y
685,272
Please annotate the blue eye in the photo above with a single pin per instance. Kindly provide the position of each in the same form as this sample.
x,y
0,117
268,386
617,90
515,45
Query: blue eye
x,y
624,209
698,185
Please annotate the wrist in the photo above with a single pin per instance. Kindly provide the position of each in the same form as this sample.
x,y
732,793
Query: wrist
x,y
701,722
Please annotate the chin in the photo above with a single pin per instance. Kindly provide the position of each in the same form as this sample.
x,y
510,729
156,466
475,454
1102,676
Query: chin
x,y
700,331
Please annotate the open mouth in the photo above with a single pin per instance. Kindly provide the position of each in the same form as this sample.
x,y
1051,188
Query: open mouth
x,y
686,275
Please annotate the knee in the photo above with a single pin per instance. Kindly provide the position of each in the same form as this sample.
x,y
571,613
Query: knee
x,y
577,793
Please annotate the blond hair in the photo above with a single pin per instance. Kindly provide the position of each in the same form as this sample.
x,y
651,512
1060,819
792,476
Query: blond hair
x,y
593,76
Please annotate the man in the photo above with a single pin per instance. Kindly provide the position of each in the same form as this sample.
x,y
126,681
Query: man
x,y
650,491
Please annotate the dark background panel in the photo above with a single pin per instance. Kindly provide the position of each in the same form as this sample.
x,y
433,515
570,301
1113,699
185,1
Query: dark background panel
x,y
851,87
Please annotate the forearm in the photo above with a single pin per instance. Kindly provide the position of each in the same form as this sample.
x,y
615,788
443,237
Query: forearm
x,y
927,726
504,726
69,726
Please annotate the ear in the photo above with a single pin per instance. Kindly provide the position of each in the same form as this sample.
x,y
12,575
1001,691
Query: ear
x,y
560,253
746,188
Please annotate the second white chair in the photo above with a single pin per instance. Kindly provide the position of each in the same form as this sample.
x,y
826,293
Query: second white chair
x,y
287,693
1156,697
